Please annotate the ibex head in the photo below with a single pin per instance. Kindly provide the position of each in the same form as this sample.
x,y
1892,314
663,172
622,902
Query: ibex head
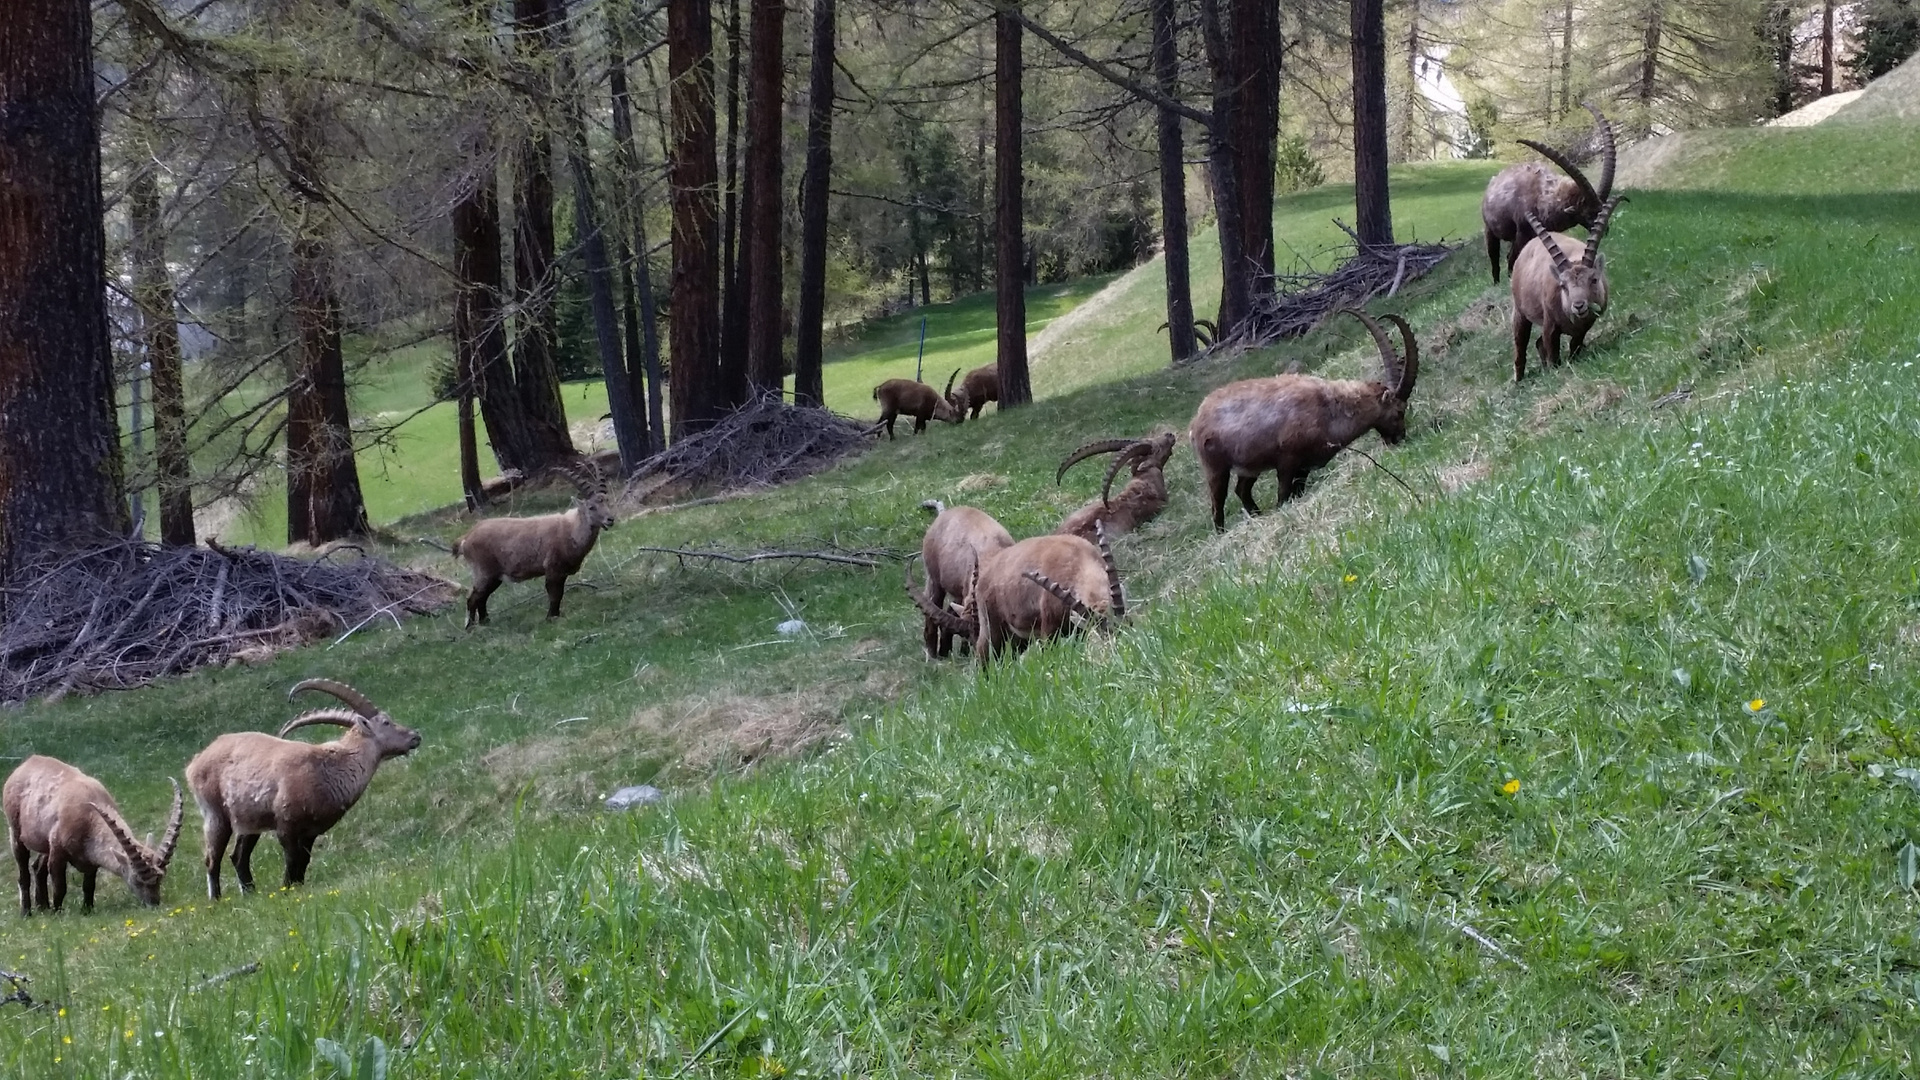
x,y
147,864
957,402
1400,373
1579,197
1583,283
1136,454
367,719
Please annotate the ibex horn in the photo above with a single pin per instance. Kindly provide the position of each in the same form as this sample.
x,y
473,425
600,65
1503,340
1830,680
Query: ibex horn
x,y
334,717
1600,222
1092,449
1115,596
949,391
341,690
1138,451
947,620
1586,187
1409,360
1388,358
172,838
1075,605
134,853
1606,150
1560,262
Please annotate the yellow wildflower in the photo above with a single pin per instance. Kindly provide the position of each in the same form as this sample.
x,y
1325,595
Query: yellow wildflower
x,y
1756,704
1511,787
1351,578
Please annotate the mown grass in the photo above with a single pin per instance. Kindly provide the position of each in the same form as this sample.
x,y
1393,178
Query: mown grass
x,y
1627,692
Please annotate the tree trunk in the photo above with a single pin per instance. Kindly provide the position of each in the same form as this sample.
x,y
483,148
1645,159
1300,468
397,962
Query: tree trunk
x,y
323,461
1373,214
693,176
153,292
730,220
60,469
737,286
535,278
1410,102
808,380
1223,168
1780,36
766,289
1649,56
1016,389
1826,48
1566,59
1173,185
1255,48
627,157
479,325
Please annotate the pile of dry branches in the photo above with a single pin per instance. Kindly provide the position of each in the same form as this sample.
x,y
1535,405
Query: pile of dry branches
x,y
761,444
1301,301
130,612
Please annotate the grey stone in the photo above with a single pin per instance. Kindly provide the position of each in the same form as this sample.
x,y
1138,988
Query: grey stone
x,y
639,795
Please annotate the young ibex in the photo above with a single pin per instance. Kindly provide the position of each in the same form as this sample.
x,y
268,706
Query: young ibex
x,y
1034,589
1531,189
58,816
517,549
1293,424
1139,502
1560,285
981,385
904,397
248,782
953,546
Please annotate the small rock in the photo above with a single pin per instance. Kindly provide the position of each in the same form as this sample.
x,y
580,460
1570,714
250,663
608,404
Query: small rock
x,y
640,795
792,627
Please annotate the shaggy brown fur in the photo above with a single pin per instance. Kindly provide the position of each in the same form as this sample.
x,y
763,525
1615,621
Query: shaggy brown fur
x,y
953,546
904,397
1139,502
248,782
58,816
518,549
1560,285
981,385
1560,202
1294,424
1034,589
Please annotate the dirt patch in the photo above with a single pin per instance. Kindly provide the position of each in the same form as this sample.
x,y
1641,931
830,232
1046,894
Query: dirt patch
x,y
1647,162
1582,400
1084,315
1815,111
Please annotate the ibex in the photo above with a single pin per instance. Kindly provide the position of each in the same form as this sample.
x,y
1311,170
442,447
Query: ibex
x,y
518,549
58,816
248,782
1034,589
1560,285
905,397
1294,424
1138,503
981,385
1531,189
953,546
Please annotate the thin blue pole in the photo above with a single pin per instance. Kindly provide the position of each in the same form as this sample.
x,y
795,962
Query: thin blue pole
x,y
921,359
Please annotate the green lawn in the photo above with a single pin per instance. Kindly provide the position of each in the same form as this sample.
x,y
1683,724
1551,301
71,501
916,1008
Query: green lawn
x,y
1594,760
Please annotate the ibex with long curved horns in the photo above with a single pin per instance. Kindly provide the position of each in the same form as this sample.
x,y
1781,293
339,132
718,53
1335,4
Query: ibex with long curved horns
x,y
1139,502
58,816
1294,424
952,548
1560,285
1038,588
1519,192
248,782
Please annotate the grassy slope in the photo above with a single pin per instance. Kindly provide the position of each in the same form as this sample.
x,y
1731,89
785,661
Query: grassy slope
x,y
1240,838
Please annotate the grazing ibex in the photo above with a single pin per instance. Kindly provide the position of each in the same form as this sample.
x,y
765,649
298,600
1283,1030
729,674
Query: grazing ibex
x,y
518,549
1139,502
981,385
953,546
1531,189
1294,424
1560,285
58,816
904,397
248,782
1034,589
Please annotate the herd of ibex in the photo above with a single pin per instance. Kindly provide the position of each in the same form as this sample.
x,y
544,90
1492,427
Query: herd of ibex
x,y
982,586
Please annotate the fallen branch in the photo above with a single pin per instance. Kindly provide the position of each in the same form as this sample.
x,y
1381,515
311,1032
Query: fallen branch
x,y
226,976
763,556
761,444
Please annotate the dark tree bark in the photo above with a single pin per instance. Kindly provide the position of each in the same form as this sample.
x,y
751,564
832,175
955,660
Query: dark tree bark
x,y
479,324
1566,59
1373,215
1223,167
1173,185
535,278
60,469
766,94
1643,83
1779,31
642,346
693,175
1256,127
1016,387
153,292
808,377
328,477
1826,48
736,281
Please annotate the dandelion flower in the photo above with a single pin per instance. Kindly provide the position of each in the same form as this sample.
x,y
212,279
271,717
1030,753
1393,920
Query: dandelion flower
x,y
1511,787
1756,704
66,1040
63,1011
1351,578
